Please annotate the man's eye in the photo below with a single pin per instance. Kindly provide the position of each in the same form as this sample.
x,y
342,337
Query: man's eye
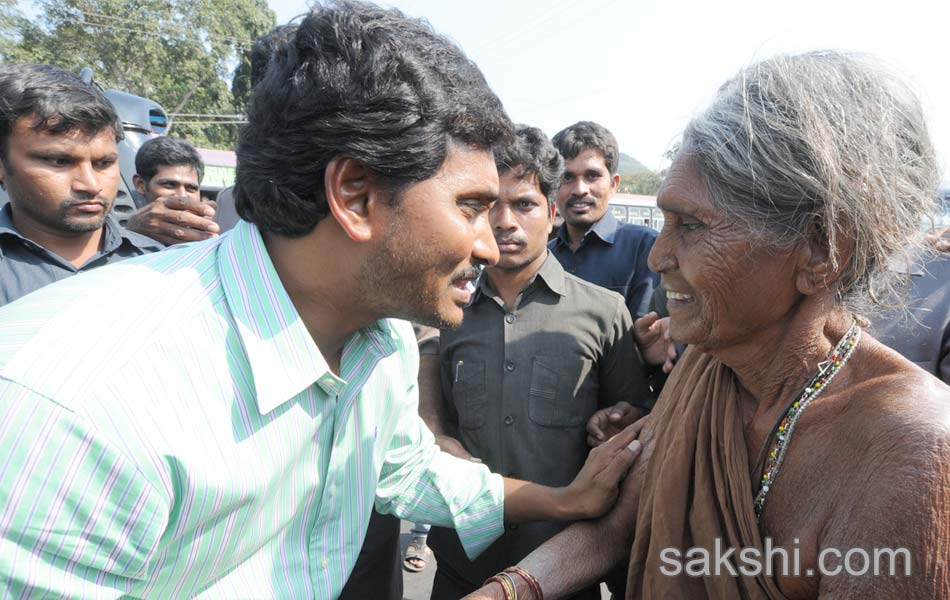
x,y
58,161
472,207
105,163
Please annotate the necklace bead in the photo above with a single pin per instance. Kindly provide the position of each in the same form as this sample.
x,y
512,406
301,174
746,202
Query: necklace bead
x,y
827,369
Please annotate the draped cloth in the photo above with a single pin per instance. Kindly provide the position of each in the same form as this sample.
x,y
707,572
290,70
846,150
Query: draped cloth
x,y
697,489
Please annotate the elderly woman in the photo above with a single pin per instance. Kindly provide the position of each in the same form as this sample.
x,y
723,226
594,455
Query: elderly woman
x,y
790,455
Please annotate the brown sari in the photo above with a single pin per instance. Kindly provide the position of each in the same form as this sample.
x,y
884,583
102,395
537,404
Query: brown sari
x,y
696,489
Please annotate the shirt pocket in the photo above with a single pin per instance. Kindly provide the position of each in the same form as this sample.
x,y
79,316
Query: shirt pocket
x,y
560,393
468,393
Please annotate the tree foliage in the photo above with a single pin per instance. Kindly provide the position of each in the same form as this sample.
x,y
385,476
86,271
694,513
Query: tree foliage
x,y
645,184
180,53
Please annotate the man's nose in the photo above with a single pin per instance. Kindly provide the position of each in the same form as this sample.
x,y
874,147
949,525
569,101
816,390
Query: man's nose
x,y
86,179
501,218
484,250
579,187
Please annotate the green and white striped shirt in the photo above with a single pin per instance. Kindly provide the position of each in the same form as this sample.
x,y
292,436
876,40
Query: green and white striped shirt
x,y
169,429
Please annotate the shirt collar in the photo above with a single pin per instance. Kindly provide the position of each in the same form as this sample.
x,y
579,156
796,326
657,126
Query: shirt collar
x,y
283,357
551,274
605,229
113,234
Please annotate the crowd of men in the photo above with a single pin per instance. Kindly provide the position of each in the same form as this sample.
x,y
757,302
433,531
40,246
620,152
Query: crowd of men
x,y
257,403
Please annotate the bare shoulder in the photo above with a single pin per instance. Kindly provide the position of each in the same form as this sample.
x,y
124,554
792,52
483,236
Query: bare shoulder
x,y
896,489
889,395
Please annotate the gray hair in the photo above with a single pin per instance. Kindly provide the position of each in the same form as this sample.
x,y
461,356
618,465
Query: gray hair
x,y
825,142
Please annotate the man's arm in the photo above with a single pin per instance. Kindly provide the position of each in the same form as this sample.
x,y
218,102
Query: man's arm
x,y
77,518
175,219
623,394
583,553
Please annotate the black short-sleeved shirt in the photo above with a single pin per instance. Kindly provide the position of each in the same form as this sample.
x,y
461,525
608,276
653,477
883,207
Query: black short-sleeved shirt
x,y
612,255
521,384
25,266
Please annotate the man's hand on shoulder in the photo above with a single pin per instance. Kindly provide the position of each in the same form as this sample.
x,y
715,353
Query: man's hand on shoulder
x,y
454,447
608,422
595,488
175,219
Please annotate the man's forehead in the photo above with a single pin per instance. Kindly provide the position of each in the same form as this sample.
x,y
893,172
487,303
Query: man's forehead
x,y
176,172
517,183
587,158
47,131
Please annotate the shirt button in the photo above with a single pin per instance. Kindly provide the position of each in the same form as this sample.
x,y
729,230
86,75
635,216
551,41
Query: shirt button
x,y
326,562
509,420
512,526
509,319
509,366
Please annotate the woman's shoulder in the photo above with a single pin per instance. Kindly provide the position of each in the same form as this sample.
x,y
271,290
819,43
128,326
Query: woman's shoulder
x,y
896,404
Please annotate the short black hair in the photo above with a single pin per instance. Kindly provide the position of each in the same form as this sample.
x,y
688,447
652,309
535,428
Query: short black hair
x,y
360,81
266,46
164,151
584,135
532,153
56,100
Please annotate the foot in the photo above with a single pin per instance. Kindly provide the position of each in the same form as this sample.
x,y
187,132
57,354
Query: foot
x,y
416,555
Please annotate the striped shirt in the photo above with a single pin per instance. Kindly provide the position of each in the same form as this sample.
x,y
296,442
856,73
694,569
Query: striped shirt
x,y
169,429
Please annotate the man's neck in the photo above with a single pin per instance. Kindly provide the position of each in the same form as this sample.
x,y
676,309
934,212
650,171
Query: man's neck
x,y
508,284
575,235
325,304
76,248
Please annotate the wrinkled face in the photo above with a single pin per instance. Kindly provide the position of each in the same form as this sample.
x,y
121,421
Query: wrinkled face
x,y
586,188
721,288
521,221
170,180
437,239
60,183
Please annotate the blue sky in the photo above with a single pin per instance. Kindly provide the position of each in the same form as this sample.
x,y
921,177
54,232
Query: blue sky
x,y
643,68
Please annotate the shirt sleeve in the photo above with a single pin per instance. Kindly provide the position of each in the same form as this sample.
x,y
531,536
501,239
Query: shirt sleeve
x,y
642,281
77,519
420,483
621,369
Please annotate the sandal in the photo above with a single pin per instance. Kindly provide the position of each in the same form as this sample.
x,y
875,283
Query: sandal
x,y
416,555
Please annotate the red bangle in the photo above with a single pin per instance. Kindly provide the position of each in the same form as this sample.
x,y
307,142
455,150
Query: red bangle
x,y
528,577
507,585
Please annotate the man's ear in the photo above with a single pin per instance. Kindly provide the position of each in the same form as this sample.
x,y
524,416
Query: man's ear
x,y
614,183
349,187
816,269
139,184
3,175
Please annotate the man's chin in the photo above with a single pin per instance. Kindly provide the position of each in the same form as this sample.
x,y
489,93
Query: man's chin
x,y
78,224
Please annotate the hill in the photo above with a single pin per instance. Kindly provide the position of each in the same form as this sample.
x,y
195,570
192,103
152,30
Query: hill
x,y
630,166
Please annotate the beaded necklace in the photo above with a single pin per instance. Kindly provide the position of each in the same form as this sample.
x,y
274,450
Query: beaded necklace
x,y
782,432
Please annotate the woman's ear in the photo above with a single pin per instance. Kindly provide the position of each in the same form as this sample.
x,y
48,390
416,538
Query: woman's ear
x,y
348,186
819,268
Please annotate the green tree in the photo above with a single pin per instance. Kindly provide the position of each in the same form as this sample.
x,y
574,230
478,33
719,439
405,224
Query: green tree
x,y
645,184
180,53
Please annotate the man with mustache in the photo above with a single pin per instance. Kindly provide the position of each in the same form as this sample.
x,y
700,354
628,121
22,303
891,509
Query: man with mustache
x,y
236,448
168,175
592,244
538,352
59,167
